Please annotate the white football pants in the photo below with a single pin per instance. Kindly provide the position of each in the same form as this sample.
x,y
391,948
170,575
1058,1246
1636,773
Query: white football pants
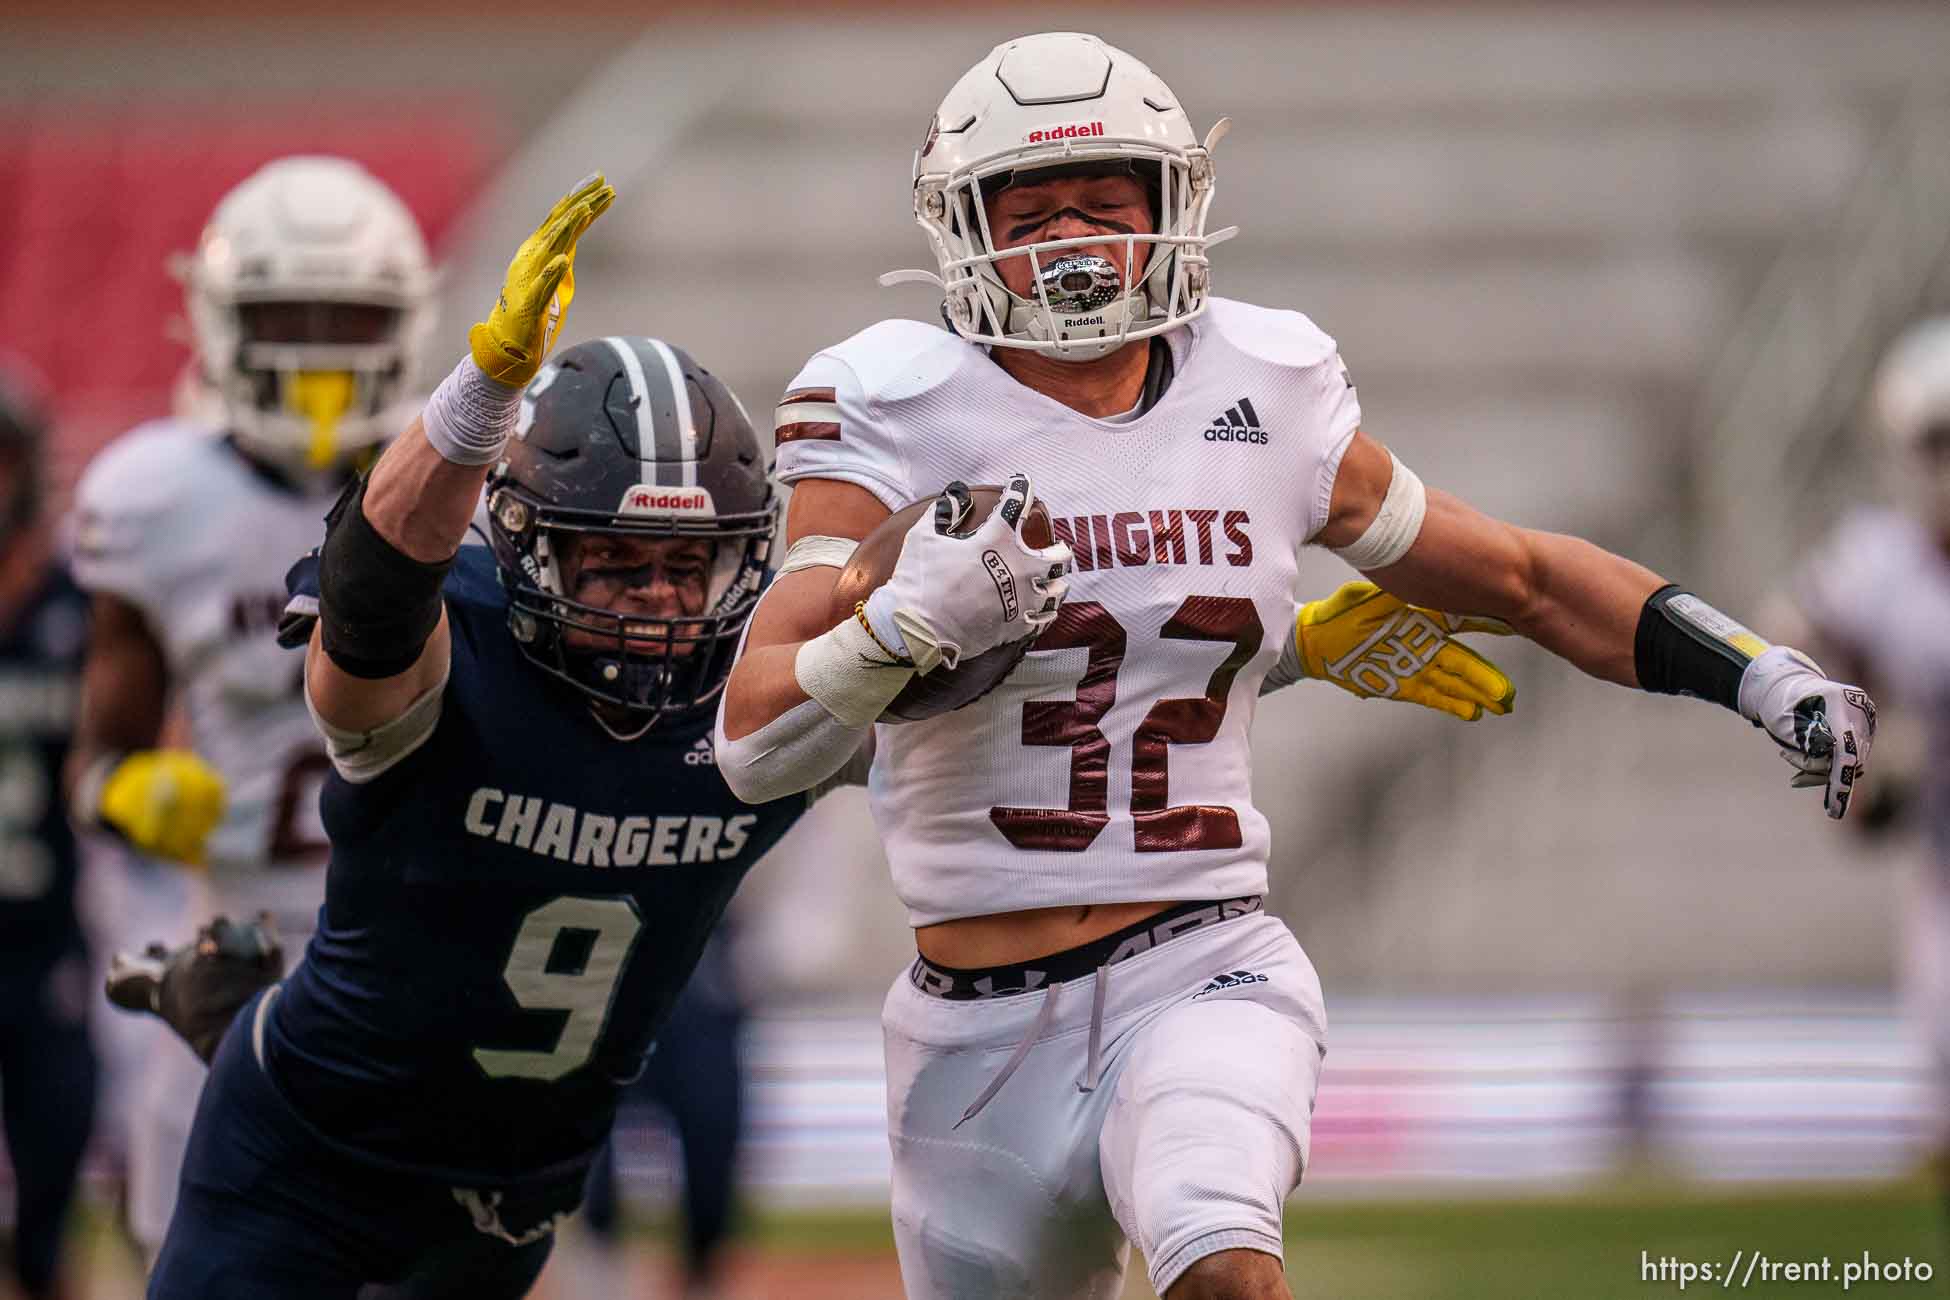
x,y
1209,1054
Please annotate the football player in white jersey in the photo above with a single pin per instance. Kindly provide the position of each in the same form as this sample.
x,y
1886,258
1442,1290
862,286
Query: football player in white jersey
x,y
1104,1038
306,296
1875,595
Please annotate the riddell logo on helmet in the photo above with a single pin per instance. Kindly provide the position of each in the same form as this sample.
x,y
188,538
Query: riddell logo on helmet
x,y
646,499
1072,131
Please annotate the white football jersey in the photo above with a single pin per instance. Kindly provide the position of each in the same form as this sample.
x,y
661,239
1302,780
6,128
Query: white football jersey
x,y
1878,588
172,519
1113,765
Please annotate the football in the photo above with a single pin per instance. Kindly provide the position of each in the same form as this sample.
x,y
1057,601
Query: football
x,y
945,689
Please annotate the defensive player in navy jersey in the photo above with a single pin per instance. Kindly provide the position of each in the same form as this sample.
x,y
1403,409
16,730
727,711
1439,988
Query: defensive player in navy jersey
x,y
524,868
47,1068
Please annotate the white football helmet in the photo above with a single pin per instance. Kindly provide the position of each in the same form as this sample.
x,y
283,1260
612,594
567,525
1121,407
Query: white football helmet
x,y
1911,400
307,299
1054,100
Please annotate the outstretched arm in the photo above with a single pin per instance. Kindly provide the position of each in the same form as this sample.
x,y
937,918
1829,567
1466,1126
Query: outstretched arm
x,y
1576,600
1609,616
382,642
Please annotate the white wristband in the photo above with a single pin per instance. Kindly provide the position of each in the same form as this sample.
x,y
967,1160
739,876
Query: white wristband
x,y
1396,525
849,673
470,417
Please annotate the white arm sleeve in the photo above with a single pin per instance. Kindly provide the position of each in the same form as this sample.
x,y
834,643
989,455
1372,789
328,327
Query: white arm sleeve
x,y
362,756
803,749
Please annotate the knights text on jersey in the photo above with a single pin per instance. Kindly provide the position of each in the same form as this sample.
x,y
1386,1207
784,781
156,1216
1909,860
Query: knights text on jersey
x,y
40,684
510,911
1134,709
173,520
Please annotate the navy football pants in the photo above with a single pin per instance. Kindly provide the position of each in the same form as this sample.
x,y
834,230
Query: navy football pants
x,y
47,1106
266,1209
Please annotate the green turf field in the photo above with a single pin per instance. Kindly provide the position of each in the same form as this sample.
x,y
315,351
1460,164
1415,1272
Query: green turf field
x,y
1585,1245
1589,1244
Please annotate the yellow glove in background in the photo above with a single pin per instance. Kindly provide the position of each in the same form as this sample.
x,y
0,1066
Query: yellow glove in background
x,y
164,801
1375,646
511,343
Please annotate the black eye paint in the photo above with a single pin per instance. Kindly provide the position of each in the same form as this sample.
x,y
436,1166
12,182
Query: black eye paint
x,y
1017,231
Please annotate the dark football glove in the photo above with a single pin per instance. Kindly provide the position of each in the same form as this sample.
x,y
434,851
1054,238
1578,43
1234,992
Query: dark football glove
x,y
199,988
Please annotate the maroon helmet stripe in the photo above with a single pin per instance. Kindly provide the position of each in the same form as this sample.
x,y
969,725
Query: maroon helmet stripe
x,y
808,395
819,429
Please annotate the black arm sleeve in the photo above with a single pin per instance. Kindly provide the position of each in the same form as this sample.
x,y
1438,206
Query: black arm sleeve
x,y
377,604
1685,647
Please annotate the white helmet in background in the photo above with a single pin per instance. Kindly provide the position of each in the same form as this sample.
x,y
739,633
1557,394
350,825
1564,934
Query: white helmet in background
x,y
1063,99
307,297
1911,398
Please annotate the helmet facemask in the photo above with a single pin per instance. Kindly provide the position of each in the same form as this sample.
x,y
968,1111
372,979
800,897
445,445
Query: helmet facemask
x,y
1080,323
311,383
650,667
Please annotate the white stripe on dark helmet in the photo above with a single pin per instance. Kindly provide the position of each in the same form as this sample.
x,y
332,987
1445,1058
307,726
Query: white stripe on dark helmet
x,y
686,427
639,407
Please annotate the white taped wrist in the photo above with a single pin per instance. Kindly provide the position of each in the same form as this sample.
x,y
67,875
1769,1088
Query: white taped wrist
x,y
849,673
470,417
1396,525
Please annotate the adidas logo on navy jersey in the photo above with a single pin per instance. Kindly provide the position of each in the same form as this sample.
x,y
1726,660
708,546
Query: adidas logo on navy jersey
x,y
1229,980
701,754
1238,423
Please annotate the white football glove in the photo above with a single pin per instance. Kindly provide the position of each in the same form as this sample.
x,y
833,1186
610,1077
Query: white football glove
x,y
951,597
1824,729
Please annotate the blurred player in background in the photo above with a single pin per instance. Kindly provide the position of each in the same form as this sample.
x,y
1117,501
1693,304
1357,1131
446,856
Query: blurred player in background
x,y
307,297
1104,1039
47,1066
1875,595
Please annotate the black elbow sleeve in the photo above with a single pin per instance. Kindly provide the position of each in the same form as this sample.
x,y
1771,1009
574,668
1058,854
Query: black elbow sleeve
x,y
376,605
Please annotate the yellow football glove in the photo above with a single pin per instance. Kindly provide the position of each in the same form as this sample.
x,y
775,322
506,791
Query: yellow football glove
x,y
1375,646
164,801
510,344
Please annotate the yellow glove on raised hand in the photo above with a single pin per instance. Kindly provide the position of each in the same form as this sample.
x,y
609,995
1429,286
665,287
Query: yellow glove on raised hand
x,y
164,801
510,344
1375,646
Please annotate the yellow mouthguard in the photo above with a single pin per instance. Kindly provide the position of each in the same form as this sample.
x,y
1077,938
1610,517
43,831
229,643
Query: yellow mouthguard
x,y
323,397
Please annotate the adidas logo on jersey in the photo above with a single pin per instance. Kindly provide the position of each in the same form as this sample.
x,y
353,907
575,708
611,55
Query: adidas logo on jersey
x,y
1229,980
1238,423
701,754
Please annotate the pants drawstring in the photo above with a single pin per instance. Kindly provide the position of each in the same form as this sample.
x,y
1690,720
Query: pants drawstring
x,y
1016,1058
1093,1070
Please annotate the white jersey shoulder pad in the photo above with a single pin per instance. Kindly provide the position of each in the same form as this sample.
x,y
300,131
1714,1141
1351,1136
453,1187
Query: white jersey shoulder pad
x,y
833,422
1270,334
1308,385
137,505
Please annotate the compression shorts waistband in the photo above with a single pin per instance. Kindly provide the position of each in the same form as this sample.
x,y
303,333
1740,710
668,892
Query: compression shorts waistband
x,y
957,985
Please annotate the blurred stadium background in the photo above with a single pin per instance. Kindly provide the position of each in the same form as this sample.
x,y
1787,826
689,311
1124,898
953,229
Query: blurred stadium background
x,y
1601,983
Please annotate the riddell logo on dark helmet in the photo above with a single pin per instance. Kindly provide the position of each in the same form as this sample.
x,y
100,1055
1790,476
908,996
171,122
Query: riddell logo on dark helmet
x,y
1072,131
644,499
